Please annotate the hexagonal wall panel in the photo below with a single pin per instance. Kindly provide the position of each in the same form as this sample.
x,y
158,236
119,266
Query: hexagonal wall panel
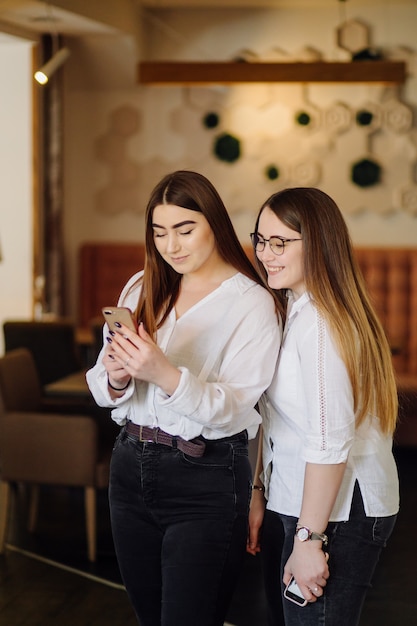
x,y
397,116
110,148
125,120
337,118
305,173
353,36
408,198
307,54
205,98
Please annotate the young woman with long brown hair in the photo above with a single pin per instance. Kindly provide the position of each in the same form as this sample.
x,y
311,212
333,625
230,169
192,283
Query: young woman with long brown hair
x,y
184,388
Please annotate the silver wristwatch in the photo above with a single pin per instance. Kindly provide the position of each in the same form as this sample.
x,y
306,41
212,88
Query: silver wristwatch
x,y
304,534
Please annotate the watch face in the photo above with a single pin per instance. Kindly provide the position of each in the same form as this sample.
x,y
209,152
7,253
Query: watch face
x,y
302,534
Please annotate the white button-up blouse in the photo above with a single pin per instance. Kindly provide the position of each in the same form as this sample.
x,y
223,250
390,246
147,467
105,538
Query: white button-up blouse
x,y
308,417
225,346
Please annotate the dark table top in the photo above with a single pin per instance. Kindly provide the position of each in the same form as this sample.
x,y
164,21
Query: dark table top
x,y
72,385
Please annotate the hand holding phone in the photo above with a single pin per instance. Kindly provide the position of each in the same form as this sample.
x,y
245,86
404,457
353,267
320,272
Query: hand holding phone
x,y
119,314
292,592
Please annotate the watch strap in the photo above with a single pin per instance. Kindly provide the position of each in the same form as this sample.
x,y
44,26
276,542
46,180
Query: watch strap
x,y
321,537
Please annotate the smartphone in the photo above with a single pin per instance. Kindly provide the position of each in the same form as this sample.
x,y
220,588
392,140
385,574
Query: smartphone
x,y
293,593
120,314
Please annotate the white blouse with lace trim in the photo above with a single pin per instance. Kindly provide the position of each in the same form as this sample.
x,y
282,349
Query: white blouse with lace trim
x,y
308,417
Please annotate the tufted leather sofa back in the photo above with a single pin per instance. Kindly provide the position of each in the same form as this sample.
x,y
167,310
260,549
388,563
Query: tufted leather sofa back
x,y
391,277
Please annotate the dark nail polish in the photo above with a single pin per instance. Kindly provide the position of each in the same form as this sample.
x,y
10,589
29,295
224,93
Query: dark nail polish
x,y
109,339
118,324
111,357
112,333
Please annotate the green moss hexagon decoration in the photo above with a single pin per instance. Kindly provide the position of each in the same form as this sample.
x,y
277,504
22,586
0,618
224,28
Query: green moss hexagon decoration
x,y
272,172
303,118
227,148
364,118
366,173
211,120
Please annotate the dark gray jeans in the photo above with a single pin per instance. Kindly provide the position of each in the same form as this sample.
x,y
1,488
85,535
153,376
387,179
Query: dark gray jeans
x,y
354,550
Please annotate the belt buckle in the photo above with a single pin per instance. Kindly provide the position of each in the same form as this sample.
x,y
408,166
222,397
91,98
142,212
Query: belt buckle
x,y
153,439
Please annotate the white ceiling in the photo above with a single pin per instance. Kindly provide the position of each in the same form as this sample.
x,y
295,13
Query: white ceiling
x,y
36,16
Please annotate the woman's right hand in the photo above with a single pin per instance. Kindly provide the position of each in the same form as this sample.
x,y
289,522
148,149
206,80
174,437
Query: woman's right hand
x,y
308,564
256,518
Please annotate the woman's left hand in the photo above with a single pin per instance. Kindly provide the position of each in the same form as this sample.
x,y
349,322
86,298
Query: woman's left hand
x,y
256,517
143,359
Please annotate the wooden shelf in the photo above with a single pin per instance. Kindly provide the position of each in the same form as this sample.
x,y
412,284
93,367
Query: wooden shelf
x,y
171,72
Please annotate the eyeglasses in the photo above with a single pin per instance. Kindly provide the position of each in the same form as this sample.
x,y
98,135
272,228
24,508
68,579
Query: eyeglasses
x,y
277,244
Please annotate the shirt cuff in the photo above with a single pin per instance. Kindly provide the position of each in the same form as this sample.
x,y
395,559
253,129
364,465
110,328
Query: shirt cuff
x,y
187,396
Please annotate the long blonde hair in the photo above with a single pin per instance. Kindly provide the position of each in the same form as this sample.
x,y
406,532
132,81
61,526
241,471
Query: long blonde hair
x,y
335,283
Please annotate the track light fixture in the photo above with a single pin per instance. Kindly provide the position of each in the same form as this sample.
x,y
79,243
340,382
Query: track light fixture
x,y
46,71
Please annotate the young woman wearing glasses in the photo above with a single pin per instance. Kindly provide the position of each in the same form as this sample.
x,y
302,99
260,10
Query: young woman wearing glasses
x,y
327,478
184,388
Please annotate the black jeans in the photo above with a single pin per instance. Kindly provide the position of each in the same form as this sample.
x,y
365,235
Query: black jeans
x,y
271,555
180,526
354,549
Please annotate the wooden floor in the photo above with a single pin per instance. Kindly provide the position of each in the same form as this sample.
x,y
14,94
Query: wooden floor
x,y
45,579
33,593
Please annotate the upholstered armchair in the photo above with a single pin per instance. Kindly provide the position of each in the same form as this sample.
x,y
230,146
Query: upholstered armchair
x,y
42,448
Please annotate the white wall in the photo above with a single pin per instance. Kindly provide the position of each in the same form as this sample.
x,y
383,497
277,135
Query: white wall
x,y
16,213
170,135
169,132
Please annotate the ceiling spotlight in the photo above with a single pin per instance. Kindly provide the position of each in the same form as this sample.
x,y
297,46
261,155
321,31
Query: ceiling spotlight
x,y
46,71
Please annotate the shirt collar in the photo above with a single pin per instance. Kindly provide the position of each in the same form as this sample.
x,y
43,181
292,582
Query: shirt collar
x,y
295,306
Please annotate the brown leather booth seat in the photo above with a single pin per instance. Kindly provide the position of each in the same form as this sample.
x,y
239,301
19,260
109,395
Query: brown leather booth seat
x,y
391,278
104,268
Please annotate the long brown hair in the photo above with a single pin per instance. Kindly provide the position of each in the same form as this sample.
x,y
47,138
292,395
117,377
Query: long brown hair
x,y
161,283
334,281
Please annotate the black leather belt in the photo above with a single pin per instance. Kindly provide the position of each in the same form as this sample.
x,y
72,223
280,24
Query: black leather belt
x,y
147,434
